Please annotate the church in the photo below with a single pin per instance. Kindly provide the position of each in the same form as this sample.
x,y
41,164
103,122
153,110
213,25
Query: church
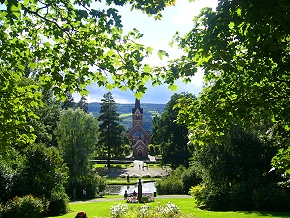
x,y
138,136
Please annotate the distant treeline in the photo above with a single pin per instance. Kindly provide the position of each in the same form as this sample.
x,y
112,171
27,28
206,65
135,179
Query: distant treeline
x,y
149,111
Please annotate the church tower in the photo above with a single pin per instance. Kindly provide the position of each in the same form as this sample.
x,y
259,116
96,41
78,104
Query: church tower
x,y
138,136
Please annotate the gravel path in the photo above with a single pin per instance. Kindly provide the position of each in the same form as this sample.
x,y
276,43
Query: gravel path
x,y
138,170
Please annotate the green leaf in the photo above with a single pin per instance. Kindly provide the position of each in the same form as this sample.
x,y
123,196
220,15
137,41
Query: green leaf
x,y
147,68
173,87
162,53
149,49
139,95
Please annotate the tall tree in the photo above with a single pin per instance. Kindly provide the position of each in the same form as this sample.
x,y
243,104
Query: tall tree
x,y
48,116
243,47
82,104
111,132
172,137
68,102
77,134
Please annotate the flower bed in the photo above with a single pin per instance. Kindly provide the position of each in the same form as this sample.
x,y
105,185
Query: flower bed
x,y
145,199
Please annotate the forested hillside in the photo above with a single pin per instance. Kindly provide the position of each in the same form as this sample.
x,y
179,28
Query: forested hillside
x,y
125,111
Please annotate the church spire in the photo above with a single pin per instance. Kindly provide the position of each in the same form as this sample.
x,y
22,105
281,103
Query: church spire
x,y
137,103
137,106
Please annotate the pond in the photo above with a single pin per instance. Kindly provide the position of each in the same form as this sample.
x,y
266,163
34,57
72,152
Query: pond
x,y
120,189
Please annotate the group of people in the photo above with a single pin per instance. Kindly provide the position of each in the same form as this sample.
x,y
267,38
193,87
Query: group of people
x,y
126,194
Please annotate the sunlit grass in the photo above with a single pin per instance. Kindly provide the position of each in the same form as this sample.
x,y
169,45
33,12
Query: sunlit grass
x,y
125,115
187,206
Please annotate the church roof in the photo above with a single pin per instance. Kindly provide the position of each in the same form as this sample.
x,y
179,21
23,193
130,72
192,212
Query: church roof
x,y
137,106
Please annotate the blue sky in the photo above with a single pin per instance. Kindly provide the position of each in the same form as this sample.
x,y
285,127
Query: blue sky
x,y
158,34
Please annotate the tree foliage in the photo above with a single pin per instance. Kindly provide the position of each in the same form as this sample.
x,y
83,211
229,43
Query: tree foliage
x,y
48,116
68,103
36,170
112,137
234,171
18,100
243,48
77,135
65,45
171,136
82,104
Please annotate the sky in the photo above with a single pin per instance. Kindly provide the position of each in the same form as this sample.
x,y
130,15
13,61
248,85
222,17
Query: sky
x,y
157,34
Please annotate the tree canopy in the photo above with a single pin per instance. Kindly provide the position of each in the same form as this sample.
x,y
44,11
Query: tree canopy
x,y
171,136
243,48
112,137
65,45
77,134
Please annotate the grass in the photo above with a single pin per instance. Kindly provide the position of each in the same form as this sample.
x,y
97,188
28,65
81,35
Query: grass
x,y
187,206
119,166
126,115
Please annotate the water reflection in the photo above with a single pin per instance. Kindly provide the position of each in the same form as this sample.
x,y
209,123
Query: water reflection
x,y
120,189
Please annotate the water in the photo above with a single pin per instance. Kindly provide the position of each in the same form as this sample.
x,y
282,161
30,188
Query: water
x,y
120,189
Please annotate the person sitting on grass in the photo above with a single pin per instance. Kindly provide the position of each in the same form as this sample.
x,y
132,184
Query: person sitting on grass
x,y
81,214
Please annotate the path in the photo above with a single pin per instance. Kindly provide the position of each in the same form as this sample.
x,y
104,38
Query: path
x,y
137,170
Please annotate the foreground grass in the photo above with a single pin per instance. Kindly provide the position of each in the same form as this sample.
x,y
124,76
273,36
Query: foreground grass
x,y
187,206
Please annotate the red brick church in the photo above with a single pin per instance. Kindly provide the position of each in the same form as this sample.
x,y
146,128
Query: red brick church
x,y
138,136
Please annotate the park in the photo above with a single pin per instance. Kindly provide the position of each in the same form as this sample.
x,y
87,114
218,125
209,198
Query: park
x,y
218,147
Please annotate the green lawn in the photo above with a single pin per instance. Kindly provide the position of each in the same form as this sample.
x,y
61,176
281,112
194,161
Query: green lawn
x,y
187,206
126,115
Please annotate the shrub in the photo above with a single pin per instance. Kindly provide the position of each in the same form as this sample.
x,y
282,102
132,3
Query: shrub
x,y
146,175
58,203
157,175
134,175
189,179
169,185
271,198
197,193
24,207
213,198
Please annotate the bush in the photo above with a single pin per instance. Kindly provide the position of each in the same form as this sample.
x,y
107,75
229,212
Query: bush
x,y
24,207
213,198
197,193
93,183
171,184
146,175
189,179
58,203
271,198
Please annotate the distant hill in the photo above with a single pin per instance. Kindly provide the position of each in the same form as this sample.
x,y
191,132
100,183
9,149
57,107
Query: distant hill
x,y
125,111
